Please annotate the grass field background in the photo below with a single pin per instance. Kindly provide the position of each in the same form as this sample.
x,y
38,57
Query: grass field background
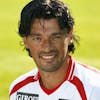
x,y
14,61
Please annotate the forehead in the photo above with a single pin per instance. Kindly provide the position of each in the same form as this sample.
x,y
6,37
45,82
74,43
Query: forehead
x,y
45,25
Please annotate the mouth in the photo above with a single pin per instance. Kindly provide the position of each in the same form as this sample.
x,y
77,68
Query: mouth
x,y
48,57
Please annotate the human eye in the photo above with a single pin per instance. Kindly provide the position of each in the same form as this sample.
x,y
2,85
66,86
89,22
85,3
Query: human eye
x,y
57,37
36,38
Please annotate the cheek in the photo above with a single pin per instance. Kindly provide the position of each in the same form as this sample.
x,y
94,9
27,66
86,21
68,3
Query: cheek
x,y
64,47
66,43
33,49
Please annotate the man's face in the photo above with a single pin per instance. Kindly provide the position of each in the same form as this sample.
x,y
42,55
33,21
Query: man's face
x,y
48,44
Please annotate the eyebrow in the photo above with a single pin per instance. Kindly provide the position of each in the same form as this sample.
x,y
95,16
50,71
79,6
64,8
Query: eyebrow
x,y
57,33
35,34
53,34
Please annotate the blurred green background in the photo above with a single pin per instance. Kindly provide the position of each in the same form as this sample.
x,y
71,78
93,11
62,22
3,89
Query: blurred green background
x,y
14,61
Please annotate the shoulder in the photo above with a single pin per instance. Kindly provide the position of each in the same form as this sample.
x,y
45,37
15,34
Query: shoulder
x,y
90,77
23,79
87,72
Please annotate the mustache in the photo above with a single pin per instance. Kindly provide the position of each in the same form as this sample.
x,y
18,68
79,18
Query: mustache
x,y
54,51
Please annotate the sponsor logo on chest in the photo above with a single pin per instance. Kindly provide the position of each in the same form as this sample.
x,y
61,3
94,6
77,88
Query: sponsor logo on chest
x,y
26,96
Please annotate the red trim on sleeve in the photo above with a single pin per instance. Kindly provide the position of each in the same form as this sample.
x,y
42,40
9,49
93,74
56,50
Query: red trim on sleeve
x,y
22,83
79,85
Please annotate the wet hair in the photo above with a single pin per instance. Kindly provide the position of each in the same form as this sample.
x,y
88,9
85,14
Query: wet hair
x,y
46,9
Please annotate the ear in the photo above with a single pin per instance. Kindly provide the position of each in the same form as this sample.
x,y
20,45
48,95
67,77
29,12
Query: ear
x,y
25,42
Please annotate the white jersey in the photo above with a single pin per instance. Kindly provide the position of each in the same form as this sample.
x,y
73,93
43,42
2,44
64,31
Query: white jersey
x,y
81,83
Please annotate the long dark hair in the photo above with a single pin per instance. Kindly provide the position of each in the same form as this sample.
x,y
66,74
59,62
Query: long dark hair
x,y
46,9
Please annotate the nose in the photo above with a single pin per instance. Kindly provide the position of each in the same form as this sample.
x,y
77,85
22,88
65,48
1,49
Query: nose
x,y
47,45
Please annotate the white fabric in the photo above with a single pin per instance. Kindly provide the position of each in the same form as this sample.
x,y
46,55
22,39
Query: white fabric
x,y
89,78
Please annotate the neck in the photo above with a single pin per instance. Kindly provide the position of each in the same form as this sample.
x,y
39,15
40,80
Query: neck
x,y
50,80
